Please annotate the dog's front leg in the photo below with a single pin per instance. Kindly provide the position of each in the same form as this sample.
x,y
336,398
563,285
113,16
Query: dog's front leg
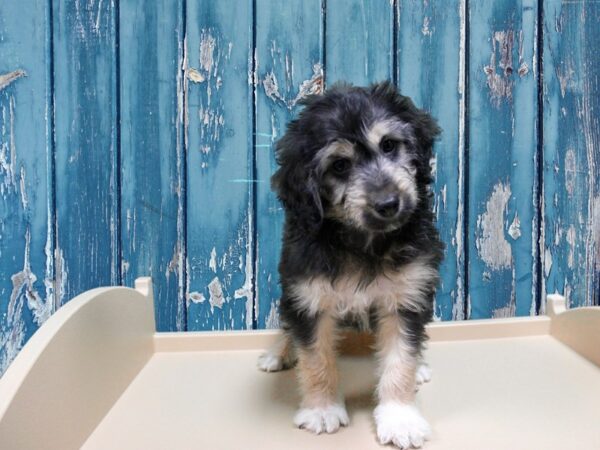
x,y
321,409
397,419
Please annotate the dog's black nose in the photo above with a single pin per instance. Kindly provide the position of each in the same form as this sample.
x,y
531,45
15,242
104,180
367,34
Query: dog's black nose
x,y
388,206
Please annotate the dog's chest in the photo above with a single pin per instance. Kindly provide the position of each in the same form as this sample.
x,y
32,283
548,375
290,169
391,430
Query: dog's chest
x,y
349,295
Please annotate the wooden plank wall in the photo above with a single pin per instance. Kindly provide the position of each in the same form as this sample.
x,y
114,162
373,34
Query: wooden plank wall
x,y
27,225
571,150
137,138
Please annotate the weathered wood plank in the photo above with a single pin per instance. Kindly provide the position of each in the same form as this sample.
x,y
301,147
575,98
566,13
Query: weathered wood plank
x,y
431,57
359,41
502,188
289,65
571,253
26,228
220,175
151,90
87,216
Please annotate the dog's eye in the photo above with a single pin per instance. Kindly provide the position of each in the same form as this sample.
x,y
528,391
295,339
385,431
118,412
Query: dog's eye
x,y
340,166
388,145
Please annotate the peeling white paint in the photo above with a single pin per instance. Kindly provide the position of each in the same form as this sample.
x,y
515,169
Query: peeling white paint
x,y
215,290
570,171
547,261
11,339
195,76
271,87
523,69
49,274
24,201
565,78
572,240
491,244
505,311
173,265
8,153
212,264
247,289
443,194
12,336
207,50
312,86
425,30
195,297
272,320
125,265
61,277
8,78
98,15
515,228
500,83
543,250
211,121
315,85
24,284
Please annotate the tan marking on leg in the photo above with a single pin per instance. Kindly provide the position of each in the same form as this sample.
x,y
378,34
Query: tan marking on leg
x,y
397,366
317,370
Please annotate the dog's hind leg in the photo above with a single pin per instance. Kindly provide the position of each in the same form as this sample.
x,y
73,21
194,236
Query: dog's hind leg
x,y
281,355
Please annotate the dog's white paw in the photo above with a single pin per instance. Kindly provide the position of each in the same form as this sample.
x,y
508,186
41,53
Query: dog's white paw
x,y
268,362
401,425
317,420
423,374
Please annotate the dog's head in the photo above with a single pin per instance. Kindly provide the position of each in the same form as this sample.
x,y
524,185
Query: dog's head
x,y
359,156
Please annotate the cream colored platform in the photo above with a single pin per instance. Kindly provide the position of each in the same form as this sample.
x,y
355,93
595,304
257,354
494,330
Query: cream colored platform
x,y
96,376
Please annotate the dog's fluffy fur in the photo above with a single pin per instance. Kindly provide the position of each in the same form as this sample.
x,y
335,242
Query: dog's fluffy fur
x,y
360,246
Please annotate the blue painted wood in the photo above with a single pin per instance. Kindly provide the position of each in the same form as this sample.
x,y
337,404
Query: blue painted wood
x,y
26,228
359,41
502,186
162,142
289,64
219,105
571,253
431,54
87,216
151,93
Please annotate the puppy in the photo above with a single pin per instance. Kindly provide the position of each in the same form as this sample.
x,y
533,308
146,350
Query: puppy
x,y
360,246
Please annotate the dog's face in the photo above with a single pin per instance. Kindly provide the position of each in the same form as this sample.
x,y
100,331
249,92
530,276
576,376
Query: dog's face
x,y
370,182
359,156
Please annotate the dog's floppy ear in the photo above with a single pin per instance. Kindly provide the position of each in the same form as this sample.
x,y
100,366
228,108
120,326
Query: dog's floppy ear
x,y
296,185
425,126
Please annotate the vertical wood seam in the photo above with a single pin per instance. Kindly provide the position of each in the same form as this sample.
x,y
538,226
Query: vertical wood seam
x,y
540,155
117,252
395,31
182,173
466,165
324,40
51,143
252,186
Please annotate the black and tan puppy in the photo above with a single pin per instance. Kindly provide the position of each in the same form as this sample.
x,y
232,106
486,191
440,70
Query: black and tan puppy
x,y
359,245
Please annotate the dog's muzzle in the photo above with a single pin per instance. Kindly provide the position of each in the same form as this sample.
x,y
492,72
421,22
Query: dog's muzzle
x,y
387,211
387,207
